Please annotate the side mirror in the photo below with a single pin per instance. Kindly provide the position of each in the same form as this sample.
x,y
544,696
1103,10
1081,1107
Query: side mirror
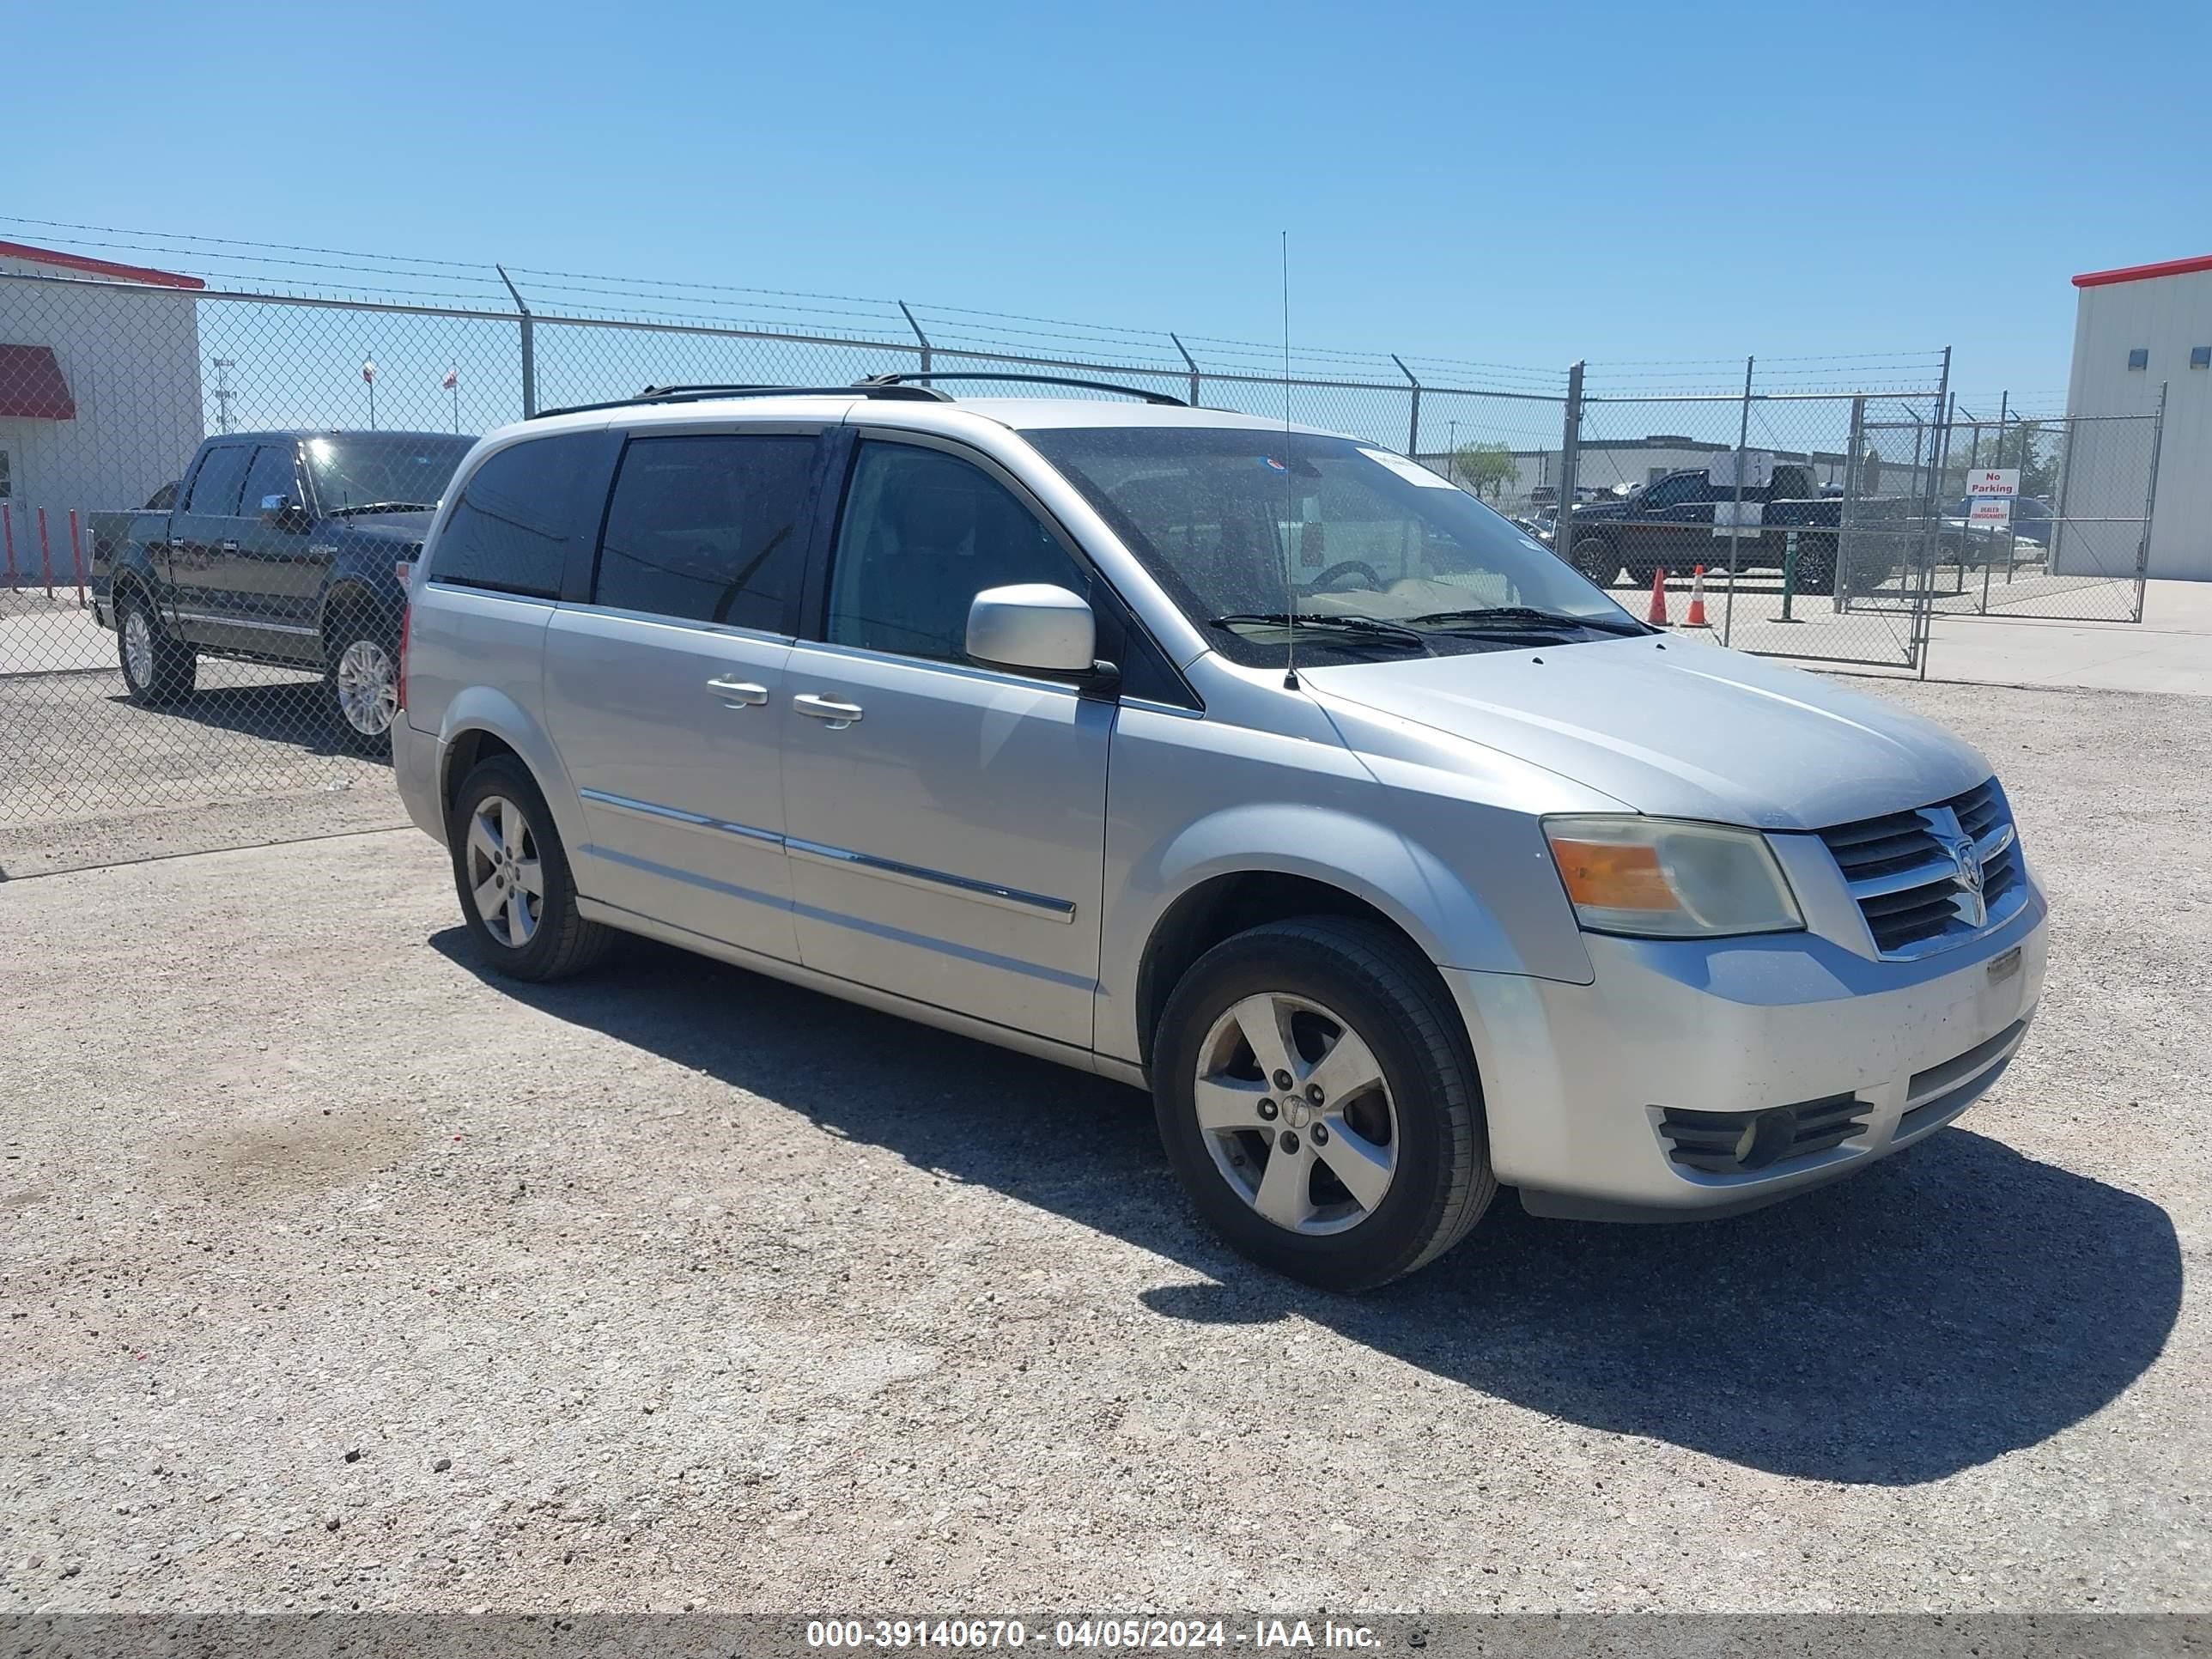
x,y
279,509
1033,627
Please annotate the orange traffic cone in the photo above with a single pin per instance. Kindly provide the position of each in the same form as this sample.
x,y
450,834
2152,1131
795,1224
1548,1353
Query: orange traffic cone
x,y
1696,616
1657,618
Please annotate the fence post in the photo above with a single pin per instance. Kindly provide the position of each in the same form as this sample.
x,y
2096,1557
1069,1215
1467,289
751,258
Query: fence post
x,y
2065,484
529,326
8,526
918,335
1413,423
2150,501
1854,482
1736,523
1189,362
1570,444
1939,446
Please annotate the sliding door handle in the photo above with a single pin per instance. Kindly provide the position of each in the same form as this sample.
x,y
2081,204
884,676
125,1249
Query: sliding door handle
x,y
838,715
737,694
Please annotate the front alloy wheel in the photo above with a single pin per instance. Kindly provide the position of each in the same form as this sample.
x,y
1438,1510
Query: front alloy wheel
x,y
1296,1114
1317,1100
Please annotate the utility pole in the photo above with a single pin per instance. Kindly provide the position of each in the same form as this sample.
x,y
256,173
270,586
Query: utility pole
x,y
222,392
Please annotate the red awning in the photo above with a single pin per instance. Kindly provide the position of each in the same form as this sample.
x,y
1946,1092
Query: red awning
x,y
30,384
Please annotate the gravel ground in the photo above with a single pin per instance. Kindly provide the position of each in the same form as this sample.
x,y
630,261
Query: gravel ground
x,y
335,1275
88,778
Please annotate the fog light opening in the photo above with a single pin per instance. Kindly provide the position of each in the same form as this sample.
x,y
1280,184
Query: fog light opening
x,y
1767,1137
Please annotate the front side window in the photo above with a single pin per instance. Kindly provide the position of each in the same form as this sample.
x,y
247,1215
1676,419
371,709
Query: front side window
x,y
216,484
707,528
924,533
511,530
1670,491
1241,523
273,473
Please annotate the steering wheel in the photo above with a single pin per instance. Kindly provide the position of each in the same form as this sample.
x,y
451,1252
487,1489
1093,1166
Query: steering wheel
x,y
1345,568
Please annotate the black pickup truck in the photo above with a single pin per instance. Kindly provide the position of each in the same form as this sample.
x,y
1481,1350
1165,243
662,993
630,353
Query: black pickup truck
x,y
281,547
1667,525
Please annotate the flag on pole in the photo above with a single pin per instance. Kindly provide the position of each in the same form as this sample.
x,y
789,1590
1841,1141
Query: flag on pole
x,y
451,382
369,370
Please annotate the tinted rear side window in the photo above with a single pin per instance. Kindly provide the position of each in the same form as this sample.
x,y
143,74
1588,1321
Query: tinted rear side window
x,y
216,485
708,528
518,515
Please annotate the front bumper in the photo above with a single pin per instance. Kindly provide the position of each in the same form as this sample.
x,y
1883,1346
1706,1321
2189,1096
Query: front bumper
x,y
1576,1078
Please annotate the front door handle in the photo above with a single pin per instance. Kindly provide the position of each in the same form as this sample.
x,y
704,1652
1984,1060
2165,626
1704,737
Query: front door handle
x,y
838,715
737,694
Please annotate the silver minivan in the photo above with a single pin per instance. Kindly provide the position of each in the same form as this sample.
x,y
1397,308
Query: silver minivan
x,y
1255,765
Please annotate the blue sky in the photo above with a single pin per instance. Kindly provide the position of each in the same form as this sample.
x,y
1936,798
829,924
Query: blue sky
x,y
1523,185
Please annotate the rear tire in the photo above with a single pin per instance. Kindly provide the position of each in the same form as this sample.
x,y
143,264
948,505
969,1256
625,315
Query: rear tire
x,y
1596,559
513,876
361,669
157,670
1389,1168
1816,566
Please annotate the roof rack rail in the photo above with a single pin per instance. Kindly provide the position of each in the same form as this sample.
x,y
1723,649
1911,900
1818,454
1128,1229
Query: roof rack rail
x,y
692,394
892,382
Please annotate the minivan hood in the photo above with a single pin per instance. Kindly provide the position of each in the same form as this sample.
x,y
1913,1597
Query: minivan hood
x,y
1676,728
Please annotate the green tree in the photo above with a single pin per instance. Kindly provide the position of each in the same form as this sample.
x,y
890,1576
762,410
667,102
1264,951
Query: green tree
x,y
1484,469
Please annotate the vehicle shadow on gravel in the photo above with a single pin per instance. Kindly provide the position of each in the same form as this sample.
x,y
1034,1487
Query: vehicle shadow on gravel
x,y
300,713
1953,1303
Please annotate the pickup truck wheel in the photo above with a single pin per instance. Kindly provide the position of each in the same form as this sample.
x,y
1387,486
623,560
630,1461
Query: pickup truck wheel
x,y
1816,565
361,668
1596,559
513,876
1318,1101
156,668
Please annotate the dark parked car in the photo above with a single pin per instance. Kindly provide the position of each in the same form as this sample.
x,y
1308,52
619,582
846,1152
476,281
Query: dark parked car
x,y
279,547
1667,525
2026,540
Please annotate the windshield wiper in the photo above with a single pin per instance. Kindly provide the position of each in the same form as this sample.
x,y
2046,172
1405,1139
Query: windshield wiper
x,y
383,506
1521,615
1367,628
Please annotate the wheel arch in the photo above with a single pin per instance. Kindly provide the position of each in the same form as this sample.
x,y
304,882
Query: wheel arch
x,y
481,721
1221,907
1263,861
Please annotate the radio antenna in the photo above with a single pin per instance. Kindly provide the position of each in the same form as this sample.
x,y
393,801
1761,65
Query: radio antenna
x,y
1290,485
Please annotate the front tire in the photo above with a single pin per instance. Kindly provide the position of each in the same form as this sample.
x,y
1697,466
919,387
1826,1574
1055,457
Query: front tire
x,y
1317,1099
513,876
157,670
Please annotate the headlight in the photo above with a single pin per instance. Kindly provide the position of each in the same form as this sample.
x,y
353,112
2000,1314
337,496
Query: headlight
x,y
1666,878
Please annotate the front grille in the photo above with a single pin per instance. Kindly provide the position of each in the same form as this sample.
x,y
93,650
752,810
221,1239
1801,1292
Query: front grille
x,y
1736,1143
1901,870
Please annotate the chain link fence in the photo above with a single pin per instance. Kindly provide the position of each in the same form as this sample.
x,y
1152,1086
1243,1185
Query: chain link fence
x,y
201,656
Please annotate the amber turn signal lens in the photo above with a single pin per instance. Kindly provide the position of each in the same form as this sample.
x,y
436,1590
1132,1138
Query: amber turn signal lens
x,y
1613,875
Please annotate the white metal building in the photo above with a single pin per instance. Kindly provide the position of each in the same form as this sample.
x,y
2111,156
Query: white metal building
x,y
99,388
2135,329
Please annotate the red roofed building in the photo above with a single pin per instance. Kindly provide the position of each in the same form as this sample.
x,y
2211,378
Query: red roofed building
x,y
2138,329
100,385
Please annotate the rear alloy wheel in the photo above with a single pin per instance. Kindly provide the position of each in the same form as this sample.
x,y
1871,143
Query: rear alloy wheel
x,y
156,668
1595,557
513,876
364,682
1317,1099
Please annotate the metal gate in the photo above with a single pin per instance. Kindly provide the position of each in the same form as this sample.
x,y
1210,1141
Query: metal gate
x,y
2072,541
1808,520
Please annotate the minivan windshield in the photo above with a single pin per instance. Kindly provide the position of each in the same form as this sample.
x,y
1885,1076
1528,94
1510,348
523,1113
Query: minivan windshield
x,y
1374,555
388,469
